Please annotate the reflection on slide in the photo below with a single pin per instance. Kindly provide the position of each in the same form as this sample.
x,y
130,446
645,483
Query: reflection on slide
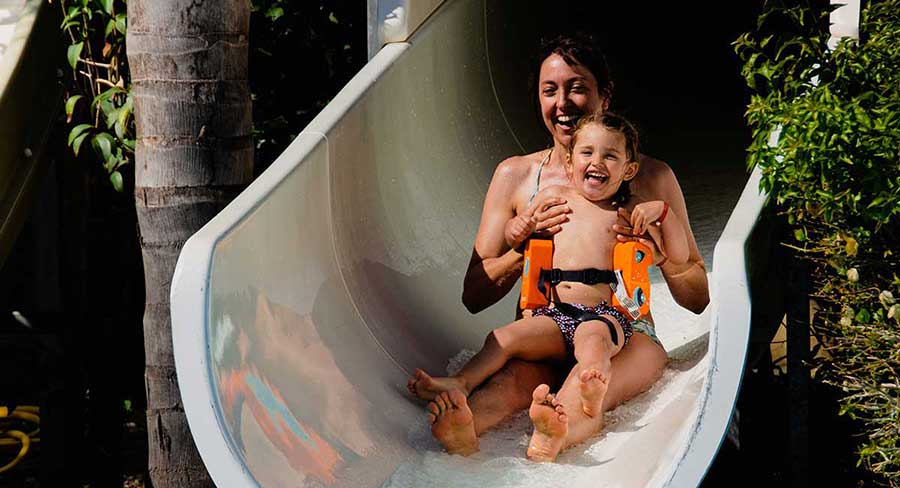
x,y
254,405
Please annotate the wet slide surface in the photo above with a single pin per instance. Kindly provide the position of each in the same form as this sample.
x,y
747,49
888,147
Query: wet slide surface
x,y
300,310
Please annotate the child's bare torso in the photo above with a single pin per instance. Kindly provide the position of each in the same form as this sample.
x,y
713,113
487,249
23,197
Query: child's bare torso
x,y
585,241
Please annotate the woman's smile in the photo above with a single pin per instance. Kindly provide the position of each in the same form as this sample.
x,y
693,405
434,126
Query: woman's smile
x,y
566,92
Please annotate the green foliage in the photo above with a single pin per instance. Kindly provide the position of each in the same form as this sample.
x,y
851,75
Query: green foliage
x,y
835,170
301,54
98,102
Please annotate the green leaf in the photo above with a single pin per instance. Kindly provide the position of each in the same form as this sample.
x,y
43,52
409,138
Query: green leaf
x,y
121,23
102,143
111,112
274,13
70,23
877,201
332,18
103,98
76,145
116,179
74,53
106,6
122,123
70,104
110,26
77,130
799,235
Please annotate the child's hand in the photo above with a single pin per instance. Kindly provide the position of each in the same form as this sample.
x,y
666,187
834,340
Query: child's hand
x,y
518,229
645,215
652,238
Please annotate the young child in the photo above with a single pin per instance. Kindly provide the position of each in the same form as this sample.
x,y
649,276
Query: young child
x,y
579,324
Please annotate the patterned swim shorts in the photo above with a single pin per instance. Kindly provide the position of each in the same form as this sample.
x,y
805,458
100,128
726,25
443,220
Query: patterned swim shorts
x,y
568,316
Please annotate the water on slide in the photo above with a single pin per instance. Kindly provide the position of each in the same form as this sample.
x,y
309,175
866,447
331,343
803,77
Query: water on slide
x,y
300,310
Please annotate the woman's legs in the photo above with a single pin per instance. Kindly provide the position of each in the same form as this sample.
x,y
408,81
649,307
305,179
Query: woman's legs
x,y
532,338
634,370
456,422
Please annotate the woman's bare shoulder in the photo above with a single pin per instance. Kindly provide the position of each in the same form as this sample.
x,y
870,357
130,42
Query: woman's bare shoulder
x,y
653,168
654,177
518,166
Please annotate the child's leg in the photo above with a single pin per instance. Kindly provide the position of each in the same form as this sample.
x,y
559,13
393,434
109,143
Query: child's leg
x,y
581,395
594,350
531,339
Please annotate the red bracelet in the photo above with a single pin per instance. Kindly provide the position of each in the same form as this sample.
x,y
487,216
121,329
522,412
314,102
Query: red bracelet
x,y
662,216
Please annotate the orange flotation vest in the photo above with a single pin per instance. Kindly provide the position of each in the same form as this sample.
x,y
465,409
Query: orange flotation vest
x,y
630,280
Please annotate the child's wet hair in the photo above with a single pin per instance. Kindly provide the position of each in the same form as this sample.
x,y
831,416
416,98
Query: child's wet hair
x,y
615,123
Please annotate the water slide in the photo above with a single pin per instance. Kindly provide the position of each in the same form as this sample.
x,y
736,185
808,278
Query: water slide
x,y
299,311
28,101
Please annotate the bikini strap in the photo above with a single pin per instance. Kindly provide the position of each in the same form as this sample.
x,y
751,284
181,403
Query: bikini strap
x,y
537,183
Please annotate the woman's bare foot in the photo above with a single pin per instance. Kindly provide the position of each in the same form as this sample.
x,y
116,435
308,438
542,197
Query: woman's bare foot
x,y
593,388
424,386
452,423
550,425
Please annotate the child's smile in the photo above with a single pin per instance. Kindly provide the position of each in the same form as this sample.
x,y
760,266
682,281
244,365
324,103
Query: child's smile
x,y
600,163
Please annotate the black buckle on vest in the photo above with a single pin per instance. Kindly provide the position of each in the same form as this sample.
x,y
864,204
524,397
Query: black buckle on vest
x,y
593,276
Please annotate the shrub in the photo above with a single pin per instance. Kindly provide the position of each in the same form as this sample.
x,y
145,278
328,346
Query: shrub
x,y
835,171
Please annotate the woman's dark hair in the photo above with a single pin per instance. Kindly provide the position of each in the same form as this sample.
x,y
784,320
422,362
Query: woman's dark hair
x,y
615,123
579,49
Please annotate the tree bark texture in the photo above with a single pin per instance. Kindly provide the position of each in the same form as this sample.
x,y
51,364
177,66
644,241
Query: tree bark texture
x,y
194,153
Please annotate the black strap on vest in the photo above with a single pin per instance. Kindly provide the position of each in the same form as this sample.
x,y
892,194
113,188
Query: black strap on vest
x,y
590,276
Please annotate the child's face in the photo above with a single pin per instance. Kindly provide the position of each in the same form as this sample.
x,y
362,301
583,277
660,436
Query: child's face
x,y
599,163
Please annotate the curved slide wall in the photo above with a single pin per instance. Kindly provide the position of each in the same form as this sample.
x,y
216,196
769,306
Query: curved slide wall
x,y
28,101
299,311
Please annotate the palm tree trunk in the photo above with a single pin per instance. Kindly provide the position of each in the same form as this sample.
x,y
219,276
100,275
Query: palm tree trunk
x,y
194,153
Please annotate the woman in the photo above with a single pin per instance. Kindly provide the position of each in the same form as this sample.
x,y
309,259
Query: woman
x,y
573,80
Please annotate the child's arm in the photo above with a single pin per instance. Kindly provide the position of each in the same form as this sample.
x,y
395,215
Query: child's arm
x,y
657,219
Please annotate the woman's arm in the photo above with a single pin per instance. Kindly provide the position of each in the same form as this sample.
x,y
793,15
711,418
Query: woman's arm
x,y
494,267
687,282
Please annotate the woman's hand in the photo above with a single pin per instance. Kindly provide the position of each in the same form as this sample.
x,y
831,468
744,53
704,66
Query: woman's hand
x,y
544,216
645,215
549,213
625,232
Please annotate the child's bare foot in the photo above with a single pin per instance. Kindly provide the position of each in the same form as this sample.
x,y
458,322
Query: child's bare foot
x,y
424,386
551,424
593,388
452,423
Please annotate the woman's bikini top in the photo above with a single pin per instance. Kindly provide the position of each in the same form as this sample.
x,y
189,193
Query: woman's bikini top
x,y
537,182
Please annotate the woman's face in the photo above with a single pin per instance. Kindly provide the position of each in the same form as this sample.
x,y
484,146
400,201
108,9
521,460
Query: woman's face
x,y
566,93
